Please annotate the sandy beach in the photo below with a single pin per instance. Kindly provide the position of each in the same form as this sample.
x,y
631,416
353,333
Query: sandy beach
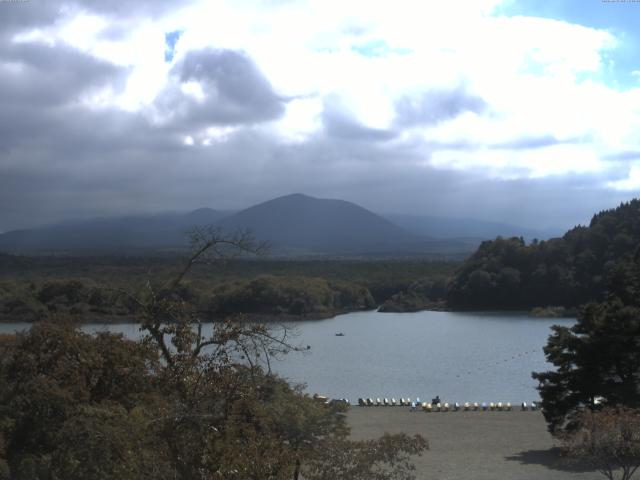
x,y
473,445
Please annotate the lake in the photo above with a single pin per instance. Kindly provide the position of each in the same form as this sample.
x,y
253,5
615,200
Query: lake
x,y
483,357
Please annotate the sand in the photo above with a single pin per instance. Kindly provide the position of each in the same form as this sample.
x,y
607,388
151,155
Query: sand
x,y
474,445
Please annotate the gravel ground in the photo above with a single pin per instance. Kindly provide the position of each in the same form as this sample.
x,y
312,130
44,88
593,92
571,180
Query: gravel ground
x,y
473,445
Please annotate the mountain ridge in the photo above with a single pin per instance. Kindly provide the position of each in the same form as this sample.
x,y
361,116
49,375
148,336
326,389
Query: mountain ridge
x,y
295,224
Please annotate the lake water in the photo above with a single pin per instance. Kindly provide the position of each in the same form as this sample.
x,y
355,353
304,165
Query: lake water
x,y
459,356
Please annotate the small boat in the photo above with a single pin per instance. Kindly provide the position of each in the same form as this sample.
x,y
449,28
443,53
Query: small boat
x,y
339,334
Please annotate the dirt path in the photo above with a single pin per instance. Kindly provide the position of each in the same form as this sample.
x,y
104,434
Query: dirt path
x,y
473,445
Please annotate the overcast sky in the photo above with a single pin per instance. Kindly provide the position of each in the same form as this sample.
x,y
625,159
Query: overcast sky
x,y
498,110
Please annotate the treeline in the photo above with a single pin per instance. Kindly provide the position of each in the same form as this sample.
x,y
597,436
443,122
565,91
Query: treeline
x,y
31,301
567,271
271,295
426,293
37,288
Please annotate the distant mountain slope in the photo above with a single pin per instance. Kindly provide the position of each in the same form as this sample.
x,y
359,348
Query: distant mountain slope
x,y
320,225
153,231
293,225
442,227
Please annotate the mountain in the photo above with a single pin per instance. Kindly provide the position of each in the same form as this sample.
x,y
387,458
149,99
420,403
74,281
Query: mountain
x,y
319,225
119,233
466,228
292,225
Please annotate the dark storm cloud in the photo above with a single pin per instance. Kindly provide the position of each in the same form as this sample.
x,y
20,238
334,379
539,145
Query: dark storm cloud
x,y
37,84
116,163
42,75
341,124
435,106
235,91
60,159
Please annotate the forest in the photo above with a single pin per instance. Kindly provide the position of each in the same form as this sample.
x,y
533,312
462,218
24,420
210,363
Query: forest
x,y
507,273
34,288
558,275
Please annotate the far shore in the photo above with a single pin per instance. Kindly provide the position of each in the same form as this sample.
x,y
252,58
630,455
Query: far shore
x,y
495,445
89,318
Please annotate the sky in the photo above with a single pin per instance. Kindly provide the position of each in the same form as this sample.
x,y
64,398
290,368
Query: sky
x,y
519,111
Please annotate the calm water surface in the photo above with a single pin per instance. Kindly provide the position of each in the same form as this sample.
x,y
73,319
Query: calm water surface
x,y
459,356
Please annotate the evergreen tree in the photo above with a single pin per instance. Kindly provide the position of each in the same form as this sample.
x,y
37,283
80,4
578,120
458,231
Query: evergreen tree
x,y
598,359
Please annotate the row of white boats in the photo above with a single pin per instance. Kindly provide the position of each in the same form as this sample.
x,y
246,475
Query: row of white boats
x,y
445,406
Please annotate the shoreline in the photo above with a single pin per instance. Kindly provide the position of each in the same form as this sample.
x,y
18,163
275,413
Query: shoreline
x,y
92,318
111,319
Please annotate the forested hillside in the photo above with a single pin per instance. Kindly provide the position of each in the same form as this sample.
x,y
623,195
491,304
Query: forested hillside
x,y
566,271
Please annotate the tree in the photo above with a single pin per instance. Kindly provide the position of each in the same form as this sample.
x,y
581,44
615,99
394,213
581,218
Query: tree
x,y
567,271
598,357
178,404
228,414
608,440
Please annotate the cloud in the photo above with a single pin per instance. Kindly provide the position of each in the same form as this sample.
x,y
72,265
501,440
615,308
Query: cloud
x,y
17,16
339,123
435,106
450,111
217,87
24,15
626,155
629,184
124,8
527,143
42,75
